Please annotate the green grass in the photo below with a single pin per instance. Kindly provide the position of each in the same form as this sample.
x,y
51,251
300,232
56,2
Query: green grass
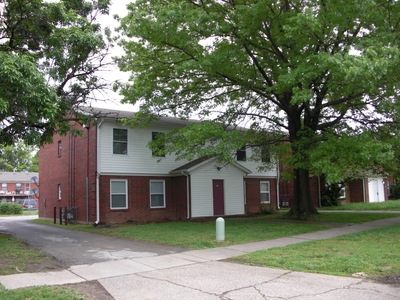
x,y
16,255
374,252
201,235
40,293
387,205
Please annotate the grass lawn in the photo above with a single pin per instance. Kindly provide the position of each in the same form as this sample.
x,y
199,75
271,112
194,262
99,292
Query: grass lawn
x,y
387,205
375,252
16,257
201,234
41,293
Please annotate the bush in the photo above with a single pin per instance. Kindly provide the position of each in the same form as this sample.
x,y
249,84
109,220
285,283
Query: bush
x,y
331,194
268,209
10,209
394,191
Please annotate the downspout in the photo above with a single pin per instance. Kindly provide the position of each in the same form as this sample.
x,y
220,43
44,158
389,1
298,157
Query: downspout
x,y
187,194
98,175
277,185
364,191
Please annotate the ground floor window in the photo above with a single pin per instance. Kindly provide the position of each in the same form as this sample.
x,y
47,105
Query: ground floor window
x,y
265,192
157,193
118,194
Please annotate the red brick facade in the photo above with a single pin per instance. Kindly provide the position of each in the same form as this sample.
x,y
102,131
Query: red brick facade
x,y
67,167
253,200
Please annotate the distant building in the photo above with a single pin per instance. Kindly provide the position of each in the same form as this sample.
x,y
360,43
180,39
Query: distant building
x,y
18,186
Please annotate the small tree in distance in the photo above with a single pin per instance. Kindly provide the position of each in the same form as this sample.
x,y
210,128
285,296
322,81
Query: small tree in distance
x,y
319,76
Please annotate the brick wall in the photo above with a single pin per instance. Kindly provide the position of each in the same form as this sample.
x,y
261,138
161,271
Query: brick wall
x,y
69,169
139,200
253,201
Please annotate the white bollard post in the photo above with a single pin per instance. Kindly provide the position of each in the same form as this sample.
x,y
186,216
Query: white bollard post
x,y
220,229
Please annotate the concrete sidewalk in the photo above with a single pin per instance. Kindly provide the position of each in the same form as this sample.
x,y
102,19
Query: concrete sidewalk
x,y
200,274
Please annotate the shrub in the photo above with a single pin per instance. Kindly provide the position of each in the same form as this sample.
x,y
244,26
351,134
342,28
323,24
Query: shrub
x,y
10,209
268,209
394,191
331,194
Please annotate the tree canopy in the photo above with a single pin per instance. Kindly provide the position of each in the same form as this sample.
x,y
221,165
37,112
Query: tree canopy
x,y
318,75
50,53
18,158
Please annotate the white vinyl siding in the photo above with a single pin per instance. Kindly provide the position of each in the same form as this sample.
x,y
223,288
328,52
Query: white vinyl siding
x,y
157,193
202,192
118,194
139,159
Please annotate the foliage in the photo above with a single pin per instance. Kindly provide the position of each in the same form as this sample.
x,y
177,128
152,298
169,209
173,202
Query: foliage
x,y
18,157
394,191
8,208
50,53
266,208
331,194
374,252
315,75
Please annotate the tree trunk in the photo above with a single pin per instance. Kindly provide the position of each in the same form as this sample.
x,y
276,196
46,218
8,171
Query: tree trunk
x,y
302,206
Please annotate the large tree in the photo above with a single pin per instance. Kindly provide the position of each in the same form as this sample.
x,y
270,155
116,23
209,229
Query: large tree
x,y
50,55
18,158
308,74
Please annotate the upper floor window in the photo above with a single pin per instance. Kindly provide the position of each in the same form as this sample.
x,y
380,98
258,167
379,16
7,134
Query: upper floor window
x,y
4,187
59,148
120,141
241,154
265,154
160,151
18,187
265,196
27,187
157,193
118,194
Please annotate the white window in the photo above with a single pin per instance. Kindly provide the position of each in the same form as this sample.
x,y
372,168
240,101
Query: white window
x,y
4,187
265,192
59,192
118,194
157,193
120,141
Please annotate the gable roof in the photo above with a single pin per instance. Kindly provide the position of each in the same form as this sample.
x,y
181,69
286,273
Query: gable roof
x,y
113,114
194,164
17,176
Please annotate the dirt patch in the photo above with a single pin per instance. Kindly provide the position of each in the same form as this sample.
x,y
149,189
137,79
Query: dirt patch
x,y
92,290
389,279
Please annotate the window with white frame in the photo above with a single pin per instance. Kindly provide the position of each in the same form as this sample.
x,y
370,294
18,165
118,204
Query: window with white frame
x,y
265,195
59,192
157,193
120,141
4,187
118,194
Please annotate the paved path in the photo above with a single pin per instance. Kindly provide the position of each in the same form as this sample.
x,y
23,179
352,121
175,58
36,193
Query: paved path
x,y
202,274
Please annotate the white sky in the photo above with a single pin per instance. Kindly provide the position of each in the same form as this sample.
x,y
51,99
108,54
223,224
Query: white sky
x,y
111,99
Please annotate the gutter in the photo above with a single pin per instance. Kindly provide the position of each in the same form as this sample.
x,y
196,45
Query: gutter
x,y
187,194
277,185
98,175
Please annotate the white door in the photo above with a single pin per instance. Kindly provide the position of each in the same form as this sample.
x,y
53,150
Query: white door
x,y
375,190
